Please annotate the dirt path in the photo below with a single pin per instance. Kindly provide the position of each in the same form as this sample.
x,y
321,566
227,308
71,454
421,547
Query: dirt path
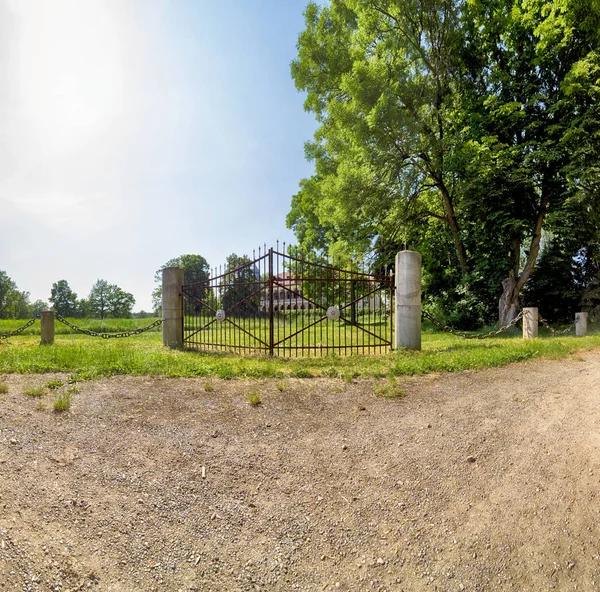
x,y
474,481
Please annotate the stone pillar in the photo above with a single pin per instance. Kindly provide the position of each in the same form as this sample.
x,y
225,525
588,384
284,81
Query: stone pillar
x,y
581,324
530,323
172,306
47,330
408,300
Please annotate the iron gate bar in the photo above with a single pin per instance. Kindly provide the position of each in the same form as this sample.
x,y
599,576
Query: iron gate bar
x,y
345,319
247,332
304,298
244,300
301,330
327,267
271,306
201,329
197,299
293,326
363,329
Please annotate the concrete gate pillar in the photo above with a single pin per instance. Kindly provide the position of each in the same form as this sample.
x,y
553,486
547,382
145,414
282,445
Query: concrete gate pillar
x,y
581,324
172,307
408,300
47,329
530,322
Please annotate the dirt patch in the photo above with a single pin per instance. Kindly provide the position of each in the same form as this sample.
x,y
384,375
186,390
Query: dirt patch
x,y
476,481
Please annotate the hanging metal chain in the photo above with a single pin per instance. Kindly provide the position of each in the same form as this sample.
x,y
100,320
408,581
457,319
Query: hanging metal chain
x,y
466,335
107,335
20,329
555,331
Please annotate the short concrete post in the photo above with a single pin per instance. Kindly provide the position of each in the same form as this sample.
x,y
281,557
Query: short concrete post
x,y
172,306
530,323
581,324
408,300
47,330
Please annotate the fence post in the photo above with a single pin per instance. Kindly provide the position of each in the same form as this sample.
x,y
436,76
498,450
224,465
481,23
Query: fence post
x,y
47,330
172,306
408,300
581,324
530,323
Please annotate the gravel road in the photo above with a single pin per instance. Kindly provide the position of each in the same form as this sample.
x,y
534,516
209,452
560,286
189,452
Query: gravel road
x,y
475,481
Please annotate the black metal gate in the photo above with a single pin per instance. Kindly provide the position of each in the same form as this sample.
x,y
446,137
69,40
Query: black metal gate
x,y
282,305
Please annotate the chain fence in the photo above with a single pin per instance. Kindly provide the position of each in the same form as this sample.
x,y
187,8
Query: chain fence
x,y
20,329
553,331
466,335
108,335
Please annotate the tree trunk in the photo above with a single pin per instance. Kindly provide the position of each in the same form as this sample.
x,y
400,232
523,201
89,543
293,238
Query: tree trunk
x,y
453,224
509,303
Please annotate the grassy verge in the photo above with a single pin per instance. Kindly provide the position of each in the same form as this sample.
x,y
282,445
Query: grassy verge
x,y
97,325
87,358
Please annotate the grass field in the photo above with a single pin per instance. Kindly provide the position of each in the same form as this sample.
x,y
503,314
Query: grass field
x,y
294,333
86,357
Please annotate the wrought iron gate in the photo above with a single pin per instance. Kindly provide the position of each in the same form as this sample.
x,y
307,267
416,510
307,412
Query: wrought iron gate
x,y
282,305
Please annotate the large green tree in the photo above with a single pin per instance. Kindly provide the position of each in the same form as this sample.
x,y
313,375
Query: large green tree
x,y
63,299
14,304
195,270
242,293
450,127
108,300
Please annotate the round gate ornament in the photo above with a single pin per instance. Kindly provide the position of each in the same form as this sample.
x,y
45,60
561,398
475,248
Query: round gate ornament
x,y
220,315
333,313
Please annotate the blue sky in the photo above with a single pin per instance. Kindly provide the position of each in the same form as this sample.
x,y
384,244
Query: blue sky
x,y
134,131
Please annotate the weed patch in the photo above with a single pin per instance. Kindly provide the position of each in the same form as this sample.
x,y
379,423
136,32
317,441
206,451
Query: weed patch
x,y
3,388
254,399
62,403
35,391
388,390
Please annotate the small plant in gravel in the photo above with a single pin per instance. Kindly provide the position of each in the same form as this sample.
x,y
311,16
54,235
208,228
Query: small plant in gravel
x,y
62,402
283,385
388,390
209,386
348,377
35,391
3,388
40,406
254,399
54,384
74,389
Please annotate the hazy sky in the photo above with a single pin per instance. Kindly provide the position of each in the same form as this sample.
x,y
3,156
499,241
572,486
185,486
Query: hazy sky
x,y
134,131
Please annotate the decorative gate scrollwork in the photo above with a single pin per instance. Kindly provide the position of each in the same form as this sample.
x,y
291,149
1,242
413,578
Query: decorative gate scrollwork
x,y
283,305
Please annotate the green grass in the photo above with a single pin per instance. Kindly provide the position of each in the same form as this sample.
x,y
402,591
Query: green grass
x,y
97,325
54,384
62,403
389,389
35,391
254,399
87,358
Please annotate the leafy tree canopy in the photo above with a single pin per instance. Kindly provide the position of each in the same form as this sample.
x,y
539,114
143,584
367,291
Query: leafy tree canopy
x,y
195,270
459,129
108,300
63,299
14,304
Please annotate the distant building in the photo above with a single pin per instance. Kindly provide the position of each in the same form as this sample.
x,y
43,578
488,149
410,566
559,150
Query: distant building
x,y
286,295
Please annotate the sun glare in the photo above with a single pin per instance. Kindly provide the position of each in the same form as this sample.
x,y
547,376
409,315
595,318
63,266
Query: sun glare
x,y
70,65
